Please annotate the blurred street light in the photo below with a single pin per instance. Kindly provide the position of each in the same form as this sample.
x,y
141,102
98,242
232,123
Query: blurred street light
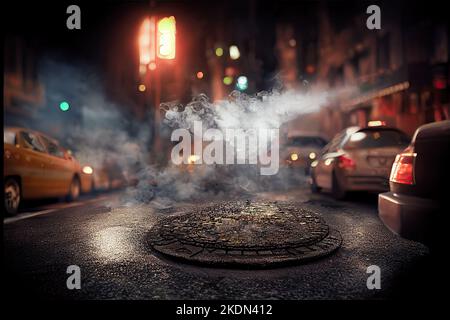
x,y
242,83
166,38
145,52
227,80
200,75
230,71
142,87
64,106
234,53
219,52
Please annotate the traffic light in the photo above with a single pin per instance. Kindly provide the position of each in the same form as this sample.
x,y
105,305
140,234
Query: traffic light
x,y
64,106
242,83
166,38
147,55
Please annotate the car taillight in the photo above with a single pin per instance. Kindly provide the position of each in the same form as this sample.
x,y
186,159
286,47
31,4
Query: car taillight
x,y
403,169
346,162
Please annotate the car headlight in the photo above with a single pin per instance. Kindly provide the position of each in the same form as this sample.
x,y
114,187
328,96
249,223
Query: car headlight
x,y
193,158
87,170
314,163
294,156
312,155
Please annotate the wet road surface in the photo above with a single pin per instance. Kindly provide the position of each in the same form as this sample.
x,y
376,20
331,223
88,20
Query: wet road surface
x,y
106,238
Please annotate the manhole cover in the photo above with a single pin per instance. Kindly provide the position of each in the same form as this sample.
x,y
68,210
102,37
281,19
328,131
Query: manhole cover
x,y
240,233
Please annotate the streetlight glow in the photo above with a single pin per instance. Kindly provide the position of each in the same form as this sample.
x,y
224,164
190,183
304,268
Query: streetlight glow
x,y
242,83
219,52
227,80
64,106
234,53
166,38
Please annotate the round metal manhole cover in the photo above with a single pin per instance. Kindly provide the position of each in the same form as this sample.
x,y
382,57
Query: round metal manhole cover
x,y
240,233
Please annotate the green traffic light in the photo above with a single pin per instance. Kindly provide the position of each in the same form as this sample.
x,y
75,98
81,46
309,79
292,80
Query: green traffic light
x,y
242,83
64,106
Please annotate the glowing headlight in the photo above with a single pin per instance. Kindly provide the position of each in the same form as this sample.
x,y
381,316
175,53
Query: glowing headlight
x,y
193,158
87,170
294,157
312,155
314,163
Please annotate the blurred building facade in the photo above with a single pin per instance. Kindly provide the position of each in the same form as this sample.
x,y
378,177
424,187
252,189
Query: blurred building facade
x,y
399,74
23,93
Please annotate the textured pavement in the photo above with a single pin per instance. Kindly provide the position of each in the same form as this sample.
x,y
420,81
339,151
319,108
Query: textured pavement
x,y
109,244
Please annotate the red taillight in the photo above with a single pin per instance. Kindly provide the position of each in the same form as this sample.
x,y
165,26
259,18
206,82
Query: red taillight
x,y
346,162
403,168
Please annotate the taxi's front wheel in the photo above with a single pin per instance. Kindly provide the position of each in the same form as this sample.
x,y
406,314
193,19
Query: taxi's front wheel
x,y
74,191
12,196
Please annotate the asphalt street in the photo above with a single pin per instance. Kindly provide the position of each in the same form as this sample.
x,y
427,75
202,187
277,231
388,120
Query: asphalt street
x,y
106,237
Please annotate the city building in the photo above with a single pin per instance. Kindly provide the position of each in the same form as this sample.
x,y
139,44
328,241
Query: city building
x,y
398,74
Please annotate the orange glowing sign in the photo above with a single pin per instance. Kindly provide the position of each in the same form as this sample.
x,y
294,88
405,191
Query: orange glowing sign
x,y
147,50
166,38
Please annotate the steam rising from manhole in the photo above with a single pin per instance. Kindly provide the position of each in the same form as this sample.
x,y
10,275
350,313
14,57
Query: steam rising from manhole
x,y
245,234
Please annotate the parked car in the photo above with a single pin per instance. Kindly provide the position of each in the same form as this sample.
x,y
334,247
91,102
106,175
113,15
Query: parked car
x,y
357,159
36,166
302,149
100,179
107,176
417,205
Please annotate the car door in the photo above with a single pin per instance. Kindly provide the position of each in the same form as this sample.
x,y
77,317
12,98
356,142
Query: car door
x,y
319,174
60,169
31,162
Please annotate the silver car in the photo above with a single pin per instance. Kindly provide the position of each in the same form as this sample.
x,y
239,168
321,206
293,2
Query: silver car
x,y
357,159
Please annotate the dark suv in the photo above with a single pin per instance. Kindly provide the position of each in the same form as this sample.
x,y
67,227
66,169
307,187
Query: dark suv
x,y
417,206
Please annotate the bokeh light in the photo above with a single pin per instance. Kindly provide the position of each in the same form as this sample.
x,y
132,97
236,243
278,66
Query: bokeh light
x,y
234,53
227,80
219,52
64,106
242,83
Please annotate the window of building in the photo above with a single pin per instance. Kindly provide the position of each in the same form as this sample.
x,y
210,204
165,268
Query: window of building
x,y
383,52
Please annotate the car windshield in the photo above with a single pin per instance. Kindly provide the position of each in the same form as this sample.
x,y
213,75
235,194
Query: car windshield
x,y
376,139
307,141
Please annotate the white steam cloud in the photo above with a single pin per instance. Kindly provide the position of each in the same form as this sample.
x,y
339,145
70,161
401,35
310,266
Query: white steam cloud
x,y
105,133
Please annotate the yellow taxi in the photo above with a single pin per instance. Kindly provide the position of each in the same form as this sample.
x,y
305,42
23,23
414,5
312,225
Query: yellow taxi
x,y
35,166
